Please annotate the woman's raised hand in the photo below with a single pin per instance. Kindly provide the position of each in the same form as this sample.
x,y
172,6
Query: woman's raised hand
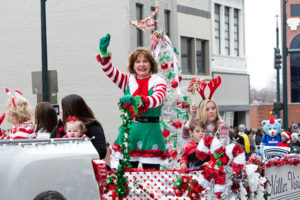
x,y
193,111
104,42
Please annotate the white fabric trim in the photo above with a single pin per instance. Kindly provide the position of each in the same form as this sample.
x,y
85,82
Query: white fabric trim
x,y
215,144
219,188
229,149
202,181
240,159
132,83
149,160
201,147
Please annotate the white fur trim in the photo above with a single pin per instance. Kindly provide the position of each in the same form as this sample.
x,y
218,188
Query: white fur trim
x,y
285,134
132,84
229,149
215,144
219,188
202,181
150,160
240,159
201,147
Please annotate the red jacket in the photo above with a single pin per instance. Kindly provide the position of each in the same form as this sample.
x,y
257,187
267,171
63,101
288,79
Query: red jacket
x,y
189,155
282,144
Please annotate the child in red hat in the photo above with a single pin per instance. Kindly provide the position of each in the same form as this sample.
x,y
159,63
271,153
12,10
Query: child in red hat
x,y
285,137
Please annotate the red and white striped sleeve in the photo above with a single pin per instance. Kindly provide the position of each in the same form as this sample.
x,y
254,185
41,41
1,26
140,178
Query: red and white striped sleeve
x,y
159,95
119,78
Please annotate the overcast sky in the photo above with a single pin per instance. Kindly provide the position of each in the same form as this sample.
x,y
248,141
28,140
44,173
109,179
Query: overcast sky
x,y
260,33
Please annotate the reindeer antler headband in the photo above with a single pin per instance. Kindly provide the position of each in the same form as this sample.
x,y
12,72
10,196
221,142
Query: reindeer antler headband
x,y
200,86
17,94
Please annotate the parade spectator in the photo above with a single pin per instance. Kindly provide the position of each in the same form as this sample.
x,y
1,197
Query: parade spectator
x,y
207,112
285,137
294,128
197,132
74,128
143,84
247,145
249,133
18,113
236,138
74,105
295,143
258,136
45,118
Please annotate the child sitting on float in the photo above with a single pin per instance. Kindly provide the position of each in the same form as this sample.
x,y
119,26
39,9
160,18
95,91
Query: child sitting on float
x,y
197,130
285,137
18,113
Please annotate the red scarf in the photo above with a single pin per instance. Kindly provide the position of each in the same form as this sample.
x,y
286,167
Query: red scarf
x,y
142,90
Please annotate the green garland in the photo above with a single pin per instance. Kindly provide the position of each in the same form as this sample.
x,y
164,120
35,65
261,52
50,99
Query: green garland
x,y
121,181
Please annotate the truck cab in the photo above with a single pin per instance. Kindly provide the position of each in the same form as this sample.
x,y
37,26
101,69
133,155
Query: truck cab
x,y
31,167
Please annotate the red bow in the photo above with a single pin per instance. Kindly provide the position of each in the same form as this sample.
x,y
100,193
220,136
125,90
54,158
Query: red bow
x,y
74,118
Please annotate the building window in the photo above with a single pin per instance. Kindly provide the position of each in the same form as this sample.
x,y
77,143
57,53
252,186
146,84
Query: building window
x,y
200,56
194,56
236,32
139,16
186,55
295,70
295,10
155,19
167,22
217,29
227,31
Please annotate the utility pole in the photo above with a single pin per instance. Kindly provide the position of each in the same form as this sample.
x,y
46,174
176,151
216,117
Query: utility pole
x,y
44,51
284,67
277,66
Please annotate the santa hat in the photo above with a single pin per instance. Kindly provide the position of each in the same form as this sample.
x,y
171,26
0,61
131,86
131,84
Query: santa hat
x,y
286,134
295,135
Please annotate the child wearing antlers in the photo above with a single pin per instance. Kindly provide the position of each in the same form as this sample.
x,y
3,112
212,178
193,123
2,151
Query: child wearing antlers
x,y
18,113
207,110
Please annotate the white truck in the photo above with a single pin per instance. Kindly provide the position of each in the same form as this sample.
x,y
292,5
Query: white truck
x,y
31,167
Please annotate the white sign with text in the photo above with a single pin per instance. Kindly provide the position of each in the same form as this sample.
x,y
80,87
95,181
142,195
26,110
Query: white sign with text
x,y
284,181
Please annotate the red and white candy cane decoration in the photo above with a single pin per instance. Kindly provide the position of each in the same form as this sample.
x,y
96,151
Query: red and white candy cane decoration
x,y
231,155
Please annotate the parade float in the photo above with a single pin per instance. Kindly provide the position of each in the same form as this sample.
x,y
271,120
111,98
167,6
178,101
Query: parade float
x,y
226,176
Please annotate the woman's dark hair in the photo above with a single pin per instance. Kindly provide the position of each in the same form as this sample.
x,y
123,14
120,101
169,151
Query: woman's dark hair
x,y
45,117
50,195
74,105
148,55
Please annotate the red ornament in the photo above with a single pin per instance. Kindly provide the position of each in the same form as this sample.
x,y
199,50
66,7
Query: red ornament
x,y
172,64
180,78
174,84
173,154
164,66
165,133
177,124
185,105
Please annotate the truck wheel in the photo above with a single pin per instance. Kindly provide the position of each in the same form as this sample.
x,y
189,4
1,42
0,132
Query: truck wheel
x,y
50,195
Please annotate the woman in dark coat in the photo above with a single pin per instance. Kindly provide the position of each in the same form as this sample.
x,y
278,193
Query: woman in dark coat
x,y
74,105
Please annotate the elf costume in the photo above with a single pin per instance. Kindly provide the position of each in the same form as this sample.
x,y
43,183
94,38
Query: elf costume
x,y
146,140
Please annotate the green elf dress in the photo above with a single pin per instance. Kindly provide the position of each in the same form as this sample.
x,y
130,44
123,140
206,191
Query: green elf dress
x,y
147,143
